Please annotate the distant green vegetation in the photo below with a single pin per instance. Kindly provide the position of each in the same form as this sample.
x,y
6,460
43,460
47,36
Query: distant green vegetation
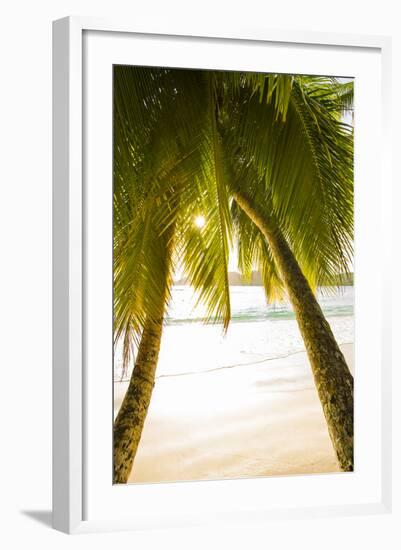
x,y
343,279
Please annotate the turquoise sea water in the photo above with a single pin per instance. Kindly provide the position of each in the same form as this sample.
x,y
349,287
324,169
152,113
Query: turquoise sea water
x,y
257,333
248,303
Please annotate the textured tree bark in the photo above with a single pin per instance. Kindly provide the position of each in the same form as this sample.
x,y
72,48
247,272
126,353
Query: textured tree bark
x,y
333,379
131,417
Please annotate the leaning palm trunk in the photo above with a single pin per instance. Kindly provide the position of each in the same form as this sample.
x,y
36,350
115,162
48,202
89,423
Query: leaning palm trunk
x,y
131,417
332,377
132,414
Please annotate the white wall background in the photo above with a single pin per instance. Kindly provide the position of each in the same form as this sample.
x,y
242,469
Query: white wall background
x,y
25,218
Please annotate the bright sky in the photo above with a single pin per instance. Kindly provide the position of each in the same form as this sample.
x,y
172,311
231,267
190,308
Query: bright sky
x,y
232,262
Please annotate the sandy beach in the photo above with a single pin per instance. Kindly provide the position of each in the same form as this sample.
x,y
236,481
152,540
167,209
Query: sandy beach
x,y
252,420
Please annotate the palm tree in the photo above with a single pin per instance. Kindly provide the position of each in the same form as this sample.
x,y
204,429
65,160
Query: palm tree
x,y
167,167
293,180
184,142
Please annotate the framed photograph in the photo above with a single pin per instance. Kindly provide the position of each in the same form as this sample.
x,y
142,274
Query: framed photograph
x,y
220,339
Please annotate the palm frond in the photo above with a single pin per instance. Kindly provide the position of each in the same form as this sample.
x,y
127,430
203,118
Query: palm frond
x,y
161,178
305,164
254,253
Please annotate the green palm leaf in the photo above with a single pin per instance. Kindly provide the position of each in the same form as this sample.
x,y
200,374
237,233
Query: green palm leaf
x,y
303,170
167,165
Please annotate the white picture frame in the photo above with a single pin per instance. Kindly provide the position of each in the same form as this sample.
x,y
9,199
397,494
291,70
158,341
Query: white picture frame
x,y
71,254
